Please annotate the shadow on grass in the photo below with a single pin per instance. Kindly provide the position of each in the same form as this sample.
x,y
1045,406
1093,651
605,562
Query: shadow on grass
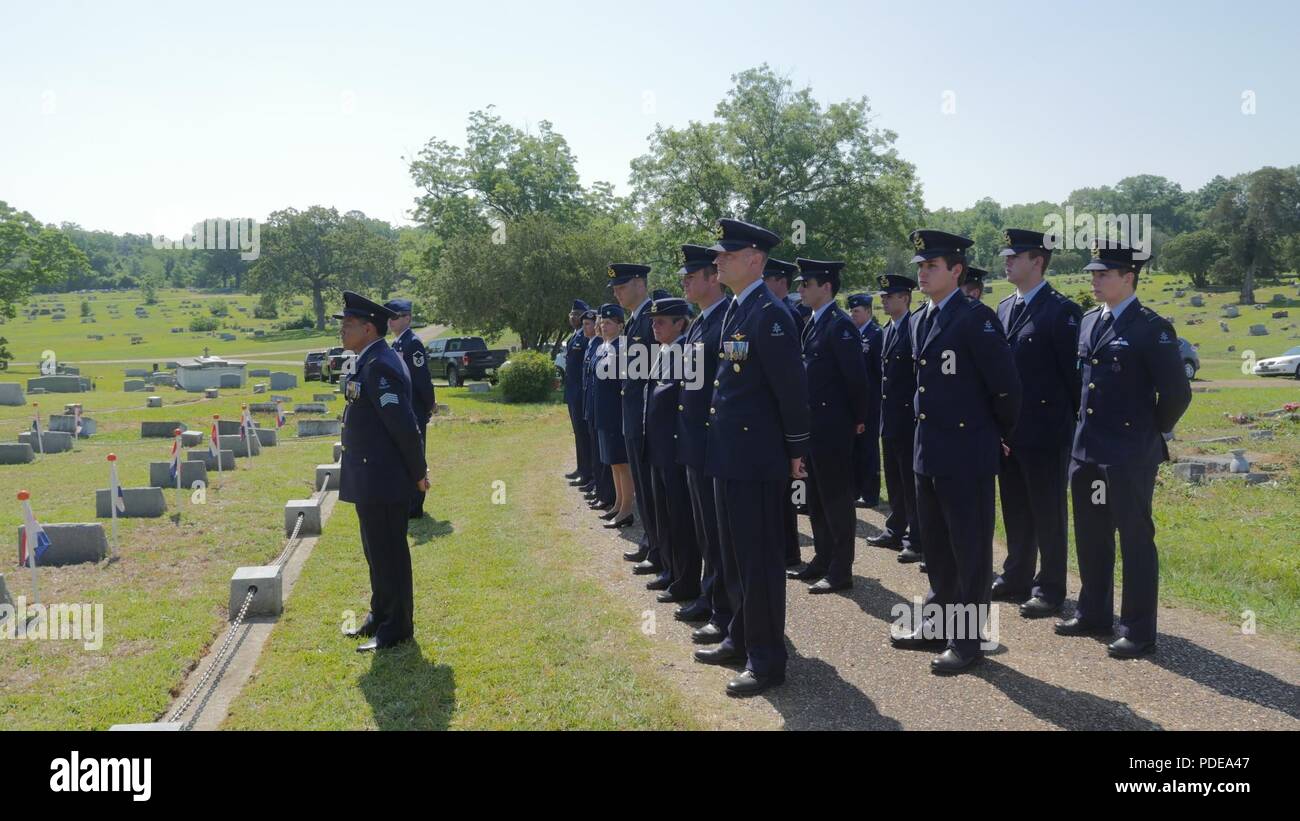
x,y
406,691
423,531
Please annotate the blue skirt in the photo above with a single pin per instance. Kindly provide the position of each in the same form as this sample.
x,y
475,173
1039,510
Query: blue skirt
x,y
613,450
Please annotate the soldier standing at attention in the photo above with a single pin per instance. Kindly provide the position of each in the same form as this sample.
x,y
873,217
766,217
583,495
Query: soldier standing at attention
x,y
575,351
866,445
423,403
837,397
973,287
1134,391
758,436
382,466
777,276
967,400
897,422
1042,327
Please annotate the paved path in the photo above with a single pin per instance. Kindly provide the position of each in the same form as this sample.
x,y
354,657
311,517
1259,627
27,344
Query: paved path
x,y
843,674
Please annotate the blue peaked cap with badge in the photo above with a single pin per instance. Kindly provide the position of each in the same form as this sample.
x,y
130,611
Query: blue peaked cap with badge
x,y
399,306
930,244
621,272
580,305
974,274
611,310
858,301
733,235
1108,255
1018,240
780,268
895,284
670,306
695,257
819,269
355,304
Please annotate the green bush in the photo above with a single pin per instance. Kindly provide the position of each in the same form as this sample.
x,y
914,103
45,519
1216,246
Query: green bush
x,y
203,324
528,376
218,307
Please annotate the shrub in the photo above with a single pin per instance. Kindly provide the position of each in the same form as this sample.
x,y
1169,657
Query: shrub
x,y
203,324
218,307
304,322
527,376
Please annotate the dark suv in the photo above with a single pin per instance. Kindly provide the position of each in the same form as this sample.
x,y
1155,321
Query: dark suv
x,y
314,366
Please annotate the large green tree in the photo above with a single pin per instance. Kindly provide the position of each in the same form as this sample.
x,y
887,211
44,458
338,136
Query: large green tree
x,y
1255,217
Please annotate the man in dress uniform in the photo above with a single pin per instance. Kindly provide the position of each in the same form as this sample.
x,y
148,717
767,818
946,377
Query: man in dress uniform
x,y
409,347
382,467
967,400
680,553
575,350
1042,327
866,445
719,594
837,396
599,492
973,287
897,421
777,276
758,436
1134,391
628,281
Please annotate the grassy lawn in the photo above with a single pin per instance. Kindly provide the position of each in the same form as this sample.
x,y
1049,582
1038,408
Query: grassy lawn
x,y
508,635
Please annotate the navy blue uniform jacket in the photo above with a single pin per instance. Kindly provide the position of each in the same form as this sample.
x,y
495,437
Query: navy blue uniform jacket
x,y
383,457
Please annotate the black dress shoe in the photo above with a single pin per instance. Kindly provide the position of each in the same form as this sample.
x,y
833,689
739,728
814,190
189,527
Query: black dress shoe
x,y
827,586
573,474
1002,591
708,634
619,523
907,556
807,574
1127,648
589,487
917,639
601,507
637,555
367,629
1039,608
658,582
1074,627
645,568
610,514
950,662
672,598
921,567
750,683
885,540
692,612
719,655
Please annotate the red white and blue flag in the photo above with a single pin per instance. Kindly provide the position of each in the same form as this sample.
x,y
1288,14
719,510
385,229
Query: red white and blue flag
x,y
176,458
34,536
214,442
279,416
115,488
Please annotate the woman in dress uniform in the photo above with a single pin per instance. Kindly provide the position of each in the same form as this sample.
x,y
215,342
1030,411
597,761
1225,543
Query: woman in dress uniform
x,y
609,416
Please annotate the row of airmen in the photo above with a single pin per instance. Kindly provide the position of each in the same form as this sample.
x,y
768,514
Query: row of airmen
x,y
757,405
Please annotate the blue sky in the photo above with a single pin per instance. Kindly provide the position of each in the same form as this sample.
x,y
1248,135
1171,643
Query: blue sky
x,y
147,117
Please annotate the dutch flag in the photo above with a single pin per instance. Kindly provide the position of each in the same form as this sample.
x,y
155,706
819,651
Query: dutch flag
x,y
115,488
33,534
176,457
279,416
214,442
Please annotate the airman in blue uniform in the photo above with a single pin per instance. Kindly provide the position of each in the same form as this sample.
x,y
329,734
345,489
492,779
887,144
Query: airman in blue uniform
x,y
897,420
719,594
973,286
681,554
866,445
608,413
382,466
599,492
1134,390
1042,327
837,398
423,402
967,401
778,276
758,436
575,351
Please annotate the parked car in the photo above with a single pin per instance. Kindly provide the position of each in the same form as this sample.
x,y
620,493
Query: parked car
x,y
313,367
1288,364
457,358
336,363
1191,358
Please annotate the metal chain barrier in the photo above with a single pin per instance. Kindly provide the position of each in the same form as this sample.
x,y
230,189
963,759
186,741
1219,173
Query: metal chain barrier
x,y
216,659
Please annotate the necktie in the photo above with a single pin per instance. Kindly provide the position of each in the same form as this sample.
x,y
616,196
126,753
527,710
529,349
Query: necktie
x,y
1099,330
1016,311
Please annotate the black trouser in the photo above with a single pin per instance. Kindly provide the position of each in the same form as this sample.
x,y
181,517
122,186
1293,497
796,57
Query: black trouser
x,y
581,442
790,524
642,484
901,486
714,592
674,524
831,492
749,531
1109,498
604,474
956,514
866,463
383,540
417,496
1033,485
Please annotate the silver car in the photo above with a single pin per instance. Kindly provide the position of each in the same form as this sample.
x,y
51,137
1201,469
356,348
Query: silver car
x,y
1288,364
